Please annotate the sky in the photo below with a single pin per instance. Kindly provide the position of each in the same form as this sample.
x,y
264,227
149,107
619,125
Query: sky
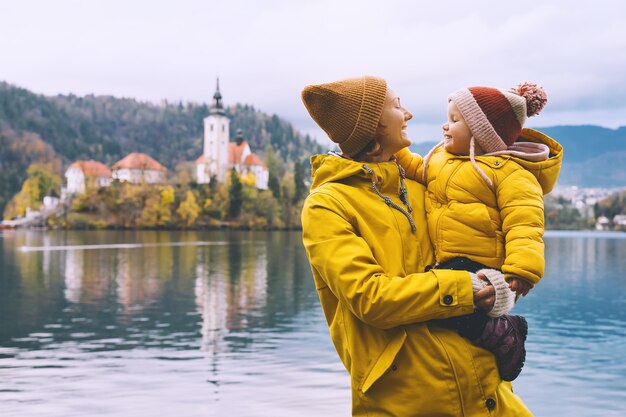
x,y
265,51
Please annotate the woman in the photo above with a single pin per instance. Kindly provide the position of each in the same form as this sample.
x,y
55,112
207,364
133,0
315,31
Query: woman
x,y
364,229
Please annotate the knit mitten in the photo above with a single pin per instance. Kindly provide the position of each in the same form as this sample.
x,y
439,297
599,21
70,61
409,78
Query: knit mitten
x,y
477,283
505,298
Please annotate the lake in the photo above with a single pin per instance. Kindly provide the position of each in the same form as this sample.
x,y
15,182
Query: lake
x,y
143,323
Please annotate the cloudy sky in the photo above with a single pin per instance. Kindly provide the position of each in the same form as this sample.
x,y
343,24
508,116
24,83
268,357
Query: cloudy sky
x,y
265,52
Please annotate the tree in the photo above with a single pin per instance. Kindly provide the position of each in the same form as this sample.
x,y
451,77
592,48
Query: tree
x,y
41,181
298,179
129,204
189,209
274,185
185,173
156,211
275,166
46,180
234,195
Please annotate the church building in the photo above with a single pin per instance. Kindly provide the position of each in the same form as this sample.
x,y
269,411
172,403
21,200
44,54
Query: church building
x,y
220,155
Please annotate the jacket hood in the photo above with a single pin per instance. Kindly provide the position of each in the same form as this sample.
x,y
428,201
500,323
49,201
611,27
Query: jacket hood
x,y
546,171
332,168
537,153
327,168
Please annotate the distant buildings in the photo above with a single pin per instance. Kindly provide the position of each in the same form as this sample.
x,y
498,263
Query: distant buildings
x,y
220,155
584,200
82,174
135,168
620,220
603,223
139,168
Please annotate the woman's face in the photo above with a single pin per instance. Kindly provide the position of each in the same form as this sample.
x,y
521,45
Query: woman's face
x,y
456,133
391,132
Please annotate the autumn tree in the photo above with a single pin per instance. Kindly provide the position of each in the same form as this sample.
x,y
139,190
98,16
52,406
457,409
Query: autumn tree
x,y
157,210
298,179
129,204
188,210
234,195
275,167
41,181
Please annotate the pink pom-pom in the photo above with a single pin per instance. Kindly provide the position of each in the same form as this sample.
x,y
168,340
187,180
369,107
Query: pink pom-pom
x,y
536,97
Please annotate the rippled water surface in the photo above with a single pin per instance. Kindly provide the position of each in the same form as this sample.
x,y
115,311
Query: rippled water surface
x,y
229,324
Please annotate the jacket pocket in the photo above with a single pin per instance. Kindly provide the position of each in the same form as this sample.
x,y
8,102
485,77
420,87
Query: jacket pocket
x,y
384,361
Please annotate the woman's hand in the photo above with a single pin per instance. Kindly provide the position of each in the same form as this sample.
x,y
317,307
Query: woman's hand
x,y
485,298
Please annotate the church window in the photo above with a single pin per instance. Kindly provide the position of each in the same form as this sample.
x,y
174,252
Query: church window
x,y
211,128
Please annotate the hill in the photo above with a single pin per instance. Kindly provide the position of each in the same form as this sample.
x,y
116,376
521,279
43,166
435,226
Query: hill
x,y
593,156
60,129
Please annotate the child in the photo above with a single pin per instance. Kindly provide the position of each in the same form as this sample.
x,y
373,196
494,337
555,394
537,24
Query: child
x,y
485,185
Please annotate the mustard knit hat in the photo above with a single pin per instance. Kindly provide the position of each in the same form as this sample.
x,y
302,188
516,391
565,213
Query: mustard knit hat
x,y
347,110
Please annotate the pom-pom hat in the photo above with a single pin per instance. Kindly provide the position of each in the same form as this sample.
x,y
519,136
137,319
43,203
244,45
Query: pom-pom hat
x,y
496,117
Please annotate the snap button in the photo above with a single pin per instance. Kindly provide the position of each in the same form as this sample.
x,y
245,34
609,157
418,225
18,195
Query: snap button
x,y
447,300
450,161
496,163
490,403
394,367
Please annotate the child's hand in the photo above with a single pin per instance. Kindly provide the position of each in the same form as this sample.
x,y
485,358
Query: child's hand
x,y
520,286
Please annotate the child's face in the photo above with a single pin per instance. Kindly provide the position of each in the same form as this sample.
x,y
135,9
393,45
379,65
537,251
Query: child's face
x,y
391,131
456,133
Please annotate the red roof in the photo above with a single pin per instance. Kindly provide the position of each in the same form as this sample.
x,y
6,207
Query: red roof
x,y
139,161
234,156
92,168
253,159
235,151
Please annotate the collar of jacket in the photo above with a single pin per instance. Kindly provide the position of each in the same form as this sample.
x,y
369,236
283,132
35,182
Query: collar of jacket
x,y
546,171
327,168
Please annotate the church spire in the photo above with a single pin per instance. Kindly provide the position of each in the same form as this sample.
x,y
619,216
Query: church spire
x,y
217,107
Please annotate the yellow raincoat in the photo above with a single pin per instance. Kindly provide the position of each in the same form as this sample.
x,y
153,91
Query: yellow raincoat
x,y
368,268
501,227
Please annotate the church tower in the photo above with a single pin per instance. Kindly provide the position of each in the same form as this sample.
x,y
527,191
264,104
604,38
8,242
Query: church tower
x,y
216,137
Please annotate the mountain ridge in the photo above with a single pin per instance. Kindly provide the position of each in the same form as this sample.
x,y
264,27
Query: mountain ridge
x,y
593,156
107,128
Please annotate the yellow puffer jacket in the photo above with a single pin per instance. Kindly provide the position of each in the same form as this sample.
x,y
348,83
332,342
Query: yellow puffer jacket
x,y
501,227
367,265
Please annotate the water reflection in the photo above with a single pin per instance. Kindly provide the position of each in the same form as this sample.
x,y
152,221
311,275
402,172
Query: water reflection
x,y
150,284
228,323
577,335
74,273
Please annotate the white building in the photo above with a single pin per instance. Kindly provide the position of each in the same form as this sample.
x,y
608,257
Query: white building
x,y
82,174
50,202
603,223
619,220
220,155
139,168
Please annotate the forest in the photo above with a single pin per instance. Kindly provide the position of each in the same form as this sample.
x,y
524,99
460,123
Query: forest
x,y
40,136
